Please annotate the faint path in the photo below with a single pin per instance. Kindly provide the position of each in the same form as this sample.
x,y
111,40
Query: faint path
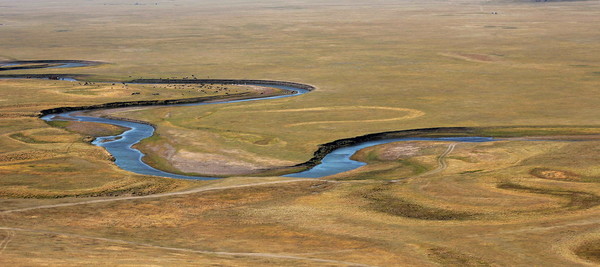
x,y
187,192
235,254
442,165
10,234
11,231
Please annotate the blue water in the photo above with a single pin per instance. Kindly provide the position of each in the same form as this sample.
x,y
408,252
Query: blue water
x,y
59,66
339,161
130,159
45,78
120,146
69,65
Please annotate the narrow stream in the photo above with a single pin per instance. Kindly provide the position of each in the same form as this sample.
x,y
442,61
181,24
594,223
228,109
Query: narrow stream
x,y
120,146
130,159
339,161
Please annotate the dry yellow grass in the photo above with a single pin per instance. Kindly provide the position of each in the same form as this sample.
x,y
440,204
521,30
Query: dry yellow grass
x,y
465,215
380,66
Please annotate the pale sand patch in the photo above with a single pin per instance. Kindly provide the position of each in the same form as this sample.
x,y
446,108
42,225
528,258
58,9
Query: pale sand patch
x,y
472,57
403,150
166,150
218,164
484,58
260,160
555,174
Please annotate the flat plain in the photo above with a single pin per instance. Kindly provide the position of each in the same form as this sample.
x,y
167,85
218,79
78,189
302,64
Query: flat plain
x,y
516,70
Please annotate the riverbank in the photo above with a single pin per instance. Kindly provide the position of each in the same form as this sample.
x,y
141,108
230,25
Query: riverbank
x,y
168,163
194,100
45,64
122,146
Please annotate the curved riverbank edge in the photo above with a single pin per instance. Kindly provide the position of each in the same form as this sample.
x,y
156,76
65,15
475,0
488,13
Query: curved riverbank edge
x,y
227,81
137,133
182,100
325,149
45,64
45,76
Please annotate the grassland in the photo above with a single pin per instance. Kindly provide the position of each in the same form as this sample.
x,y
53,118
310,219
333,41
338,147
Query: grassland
x,y
60,151
379,66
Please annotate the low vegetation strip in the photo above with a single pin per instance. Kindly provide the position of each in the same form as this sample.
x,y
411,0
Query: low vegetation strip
x,y
381,200
244,95
143,103
577,200
449,257
226,81
187,192
44,64
222,253
589,250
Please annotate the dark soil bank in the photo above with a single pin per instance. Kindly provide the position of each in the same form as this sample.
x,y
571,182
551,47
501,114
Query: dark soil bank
x,y
327,148
43,64
178,101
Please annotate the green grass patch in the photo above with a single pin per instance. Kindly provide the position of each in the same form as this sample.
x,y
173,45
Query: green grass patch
x,y
382,201
59,124
27,139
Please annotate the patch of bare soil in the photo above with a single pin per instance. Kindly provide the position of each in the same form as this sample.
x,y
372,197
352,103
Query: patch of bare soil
x,y
478,57
207,163
554,174
94,129
217,164
473,57
401,150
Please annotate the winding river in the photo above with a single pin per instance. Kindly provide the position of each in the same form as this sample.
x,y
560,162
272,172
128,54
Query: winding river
x,y
339,161
45,64
130,159
120,146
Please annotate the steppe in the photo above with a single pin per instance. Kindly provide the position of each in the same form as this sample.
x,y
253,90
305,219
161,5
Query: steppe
x,y
519,70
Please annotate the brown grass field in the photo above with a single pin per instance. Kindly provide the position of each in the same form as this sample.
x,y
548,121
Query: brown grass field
x,y
517,69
